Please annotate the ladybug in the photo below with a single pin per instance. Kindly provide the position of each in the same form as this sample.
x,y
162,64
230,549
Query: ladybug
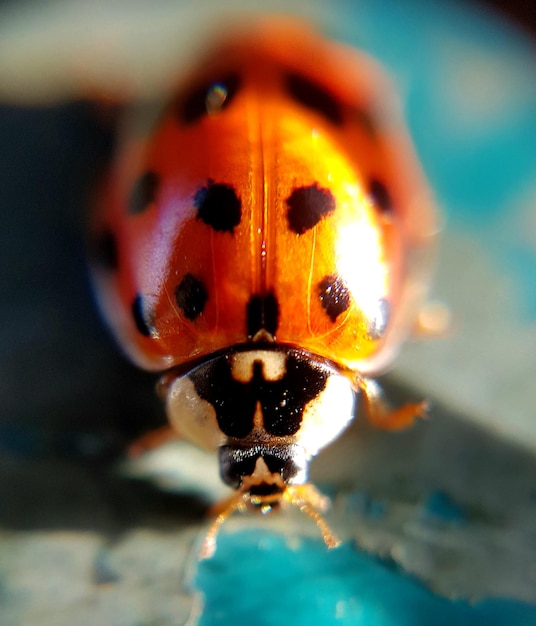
x,y
264,239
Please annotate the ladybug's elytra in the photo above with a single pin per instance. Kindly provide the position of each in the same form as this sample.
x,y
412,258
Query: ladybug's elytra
x,y
265,241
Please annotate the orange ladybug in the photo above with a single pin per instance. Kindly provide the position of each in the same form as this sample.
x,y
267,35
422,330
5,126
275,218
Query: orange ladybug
x,y
264,240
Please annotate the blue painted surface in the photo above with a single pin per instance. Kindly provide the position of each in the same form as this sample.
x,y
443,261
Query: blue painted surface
x,y
256,578
440,507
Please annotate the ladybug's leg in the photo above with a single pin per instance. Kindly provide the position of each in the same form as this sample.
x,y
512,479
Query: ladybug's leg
x,y
159,436
152,440
380,415
223,510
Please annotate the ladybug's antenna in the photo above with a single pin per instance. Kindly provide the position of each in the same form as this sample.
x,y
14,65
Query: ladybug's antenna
x,y
311,502
306,497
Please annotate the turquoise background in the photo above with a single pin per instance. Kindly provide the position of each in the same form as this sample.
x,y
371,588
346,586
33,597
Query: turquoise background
x,y
267,582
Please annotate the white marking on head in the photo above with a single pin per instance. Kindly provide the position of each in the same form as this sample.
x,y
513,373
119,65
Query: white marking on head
x,y
273,364
192,417
327,415
262,475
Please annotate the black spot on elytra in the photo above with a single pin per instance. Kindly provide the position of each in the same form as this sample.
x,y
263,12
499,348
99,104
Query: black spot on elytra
x,y
282,401
218,206
191,296
314,97
194,106
142,317
378,324
307,206
334,296
143,193
262,313
380,196
104,250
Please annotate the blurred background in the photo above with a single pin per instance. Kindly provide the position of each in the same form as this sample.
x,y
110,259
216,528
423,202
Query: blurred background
x,y
82,538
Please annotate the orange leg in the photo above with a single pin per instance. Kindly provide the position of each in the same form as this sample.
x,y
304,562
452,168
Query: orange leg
x,y
151,440
380,415
306,497
224,509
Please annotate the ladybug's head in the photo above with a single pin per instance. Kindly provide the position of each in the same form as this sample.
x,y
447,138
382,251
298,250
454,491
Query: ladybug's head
x,y
266,477
263,473
268,410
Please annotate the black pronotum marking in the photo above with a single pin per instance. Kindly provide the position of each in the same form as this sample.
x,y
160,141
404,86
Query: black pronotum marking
x,y
143,193
282,401
218,206
314,97
194,106
380,196
142,317
307,206
104,250
378,324
334,296
237,462
262,313
191,296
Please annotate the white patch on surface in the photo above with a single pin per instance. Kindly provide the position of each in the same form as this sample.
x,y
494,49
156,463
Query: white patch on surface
x,y
179,467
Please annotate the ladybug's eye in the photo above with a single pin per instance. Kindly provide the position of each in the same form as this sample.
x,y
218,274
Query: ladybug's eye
x,y
289,461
